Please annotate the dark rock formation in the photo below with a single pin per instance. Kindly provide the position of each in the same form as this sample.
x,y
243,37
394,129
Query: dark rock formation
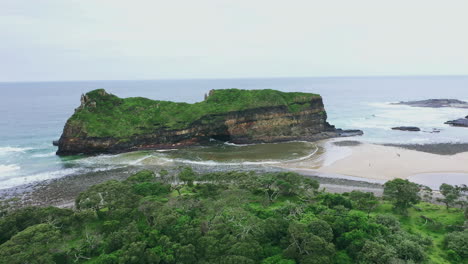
x,y
105,123
407,128
349,133
436,103
462,122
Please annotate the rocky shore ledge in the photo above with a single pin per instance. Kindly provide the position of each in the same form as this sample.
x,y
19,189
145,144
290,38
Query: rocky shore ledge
x,y
105,123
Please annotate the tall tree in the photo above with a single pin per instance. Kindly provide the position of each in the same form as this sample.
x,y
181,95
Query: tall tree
x,y
451,194
187,175
402,193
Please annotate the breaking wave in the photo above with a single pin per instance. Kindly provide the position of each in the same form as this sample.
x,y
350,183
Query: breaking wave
x,y
44,155
9,168
8,150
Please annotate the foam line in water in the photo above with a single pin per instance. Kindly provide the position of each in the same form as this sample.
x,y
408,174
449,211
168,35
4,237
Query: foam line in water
x,y
11,182
237,145
8,168
6,150
138,161
262,143
44,155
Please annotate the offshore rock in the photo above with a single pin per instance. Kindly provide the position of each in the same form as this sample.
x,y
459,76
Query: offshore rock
x,y
105,123
407,128
436,103
462,122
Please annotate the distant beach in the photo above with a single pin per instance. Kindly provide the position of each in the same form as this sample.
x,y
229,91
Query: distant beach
x,y
430,164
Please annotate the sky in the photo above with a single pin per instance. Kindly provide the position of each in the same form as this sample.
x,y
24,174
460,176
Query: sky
x,y
57,40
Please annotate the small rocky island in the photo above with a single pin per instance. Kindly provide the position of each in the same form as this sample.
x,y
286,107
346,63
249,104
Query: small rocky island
x,y
105,123
461,122
436,103
440,103
407,128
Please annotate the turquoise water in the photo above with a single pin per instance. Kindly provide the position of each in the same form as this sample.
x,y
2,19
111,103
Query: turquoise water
x,y
33,114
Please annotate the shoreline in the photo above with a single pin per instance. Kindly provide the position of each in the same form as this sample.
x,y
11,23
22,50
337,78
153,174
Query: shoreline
x,y
380,163
62,192
340,165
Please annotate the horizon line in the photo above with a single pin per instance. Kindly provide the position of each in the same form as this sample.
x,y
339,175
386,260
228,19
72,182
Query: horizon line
x,y
249,78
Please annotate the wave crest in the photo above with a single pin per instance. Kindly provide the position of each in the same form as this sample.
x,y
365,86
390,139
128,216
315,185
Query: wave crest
x,y
9,168
6,150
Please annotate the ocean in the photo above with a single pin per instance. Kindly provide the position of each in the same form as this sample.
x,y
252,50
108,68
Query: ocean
x,y
33,114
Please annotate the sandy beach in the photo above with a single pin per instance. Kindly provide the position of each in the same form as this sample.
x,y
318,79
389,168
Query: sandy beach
x,y
382,163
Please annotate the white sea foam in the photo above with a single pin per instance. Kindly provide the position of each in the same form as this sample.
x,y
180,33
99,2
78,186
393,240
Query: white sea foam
x,y
377,120
237,145
15,181
8,150
416,116
130,158
138,161
8,168
44,155
106,168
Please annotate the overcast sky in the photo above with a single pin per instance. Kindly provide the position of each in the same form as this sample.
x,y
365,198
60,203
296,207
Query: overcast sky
x,y
42,40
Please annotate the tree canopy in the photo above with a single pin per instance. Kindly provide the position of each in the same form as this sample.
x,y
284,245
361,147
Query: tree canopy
x,y
230,217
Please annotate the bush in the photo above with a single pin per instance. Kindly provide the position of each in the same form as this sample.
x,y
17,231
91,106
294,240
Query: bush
x,y
141,176
458,243
402,193
151,188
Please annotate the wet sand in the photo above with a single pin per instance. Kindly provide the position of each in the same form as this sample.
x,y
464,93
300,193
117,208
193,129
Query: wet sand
x,y
382,162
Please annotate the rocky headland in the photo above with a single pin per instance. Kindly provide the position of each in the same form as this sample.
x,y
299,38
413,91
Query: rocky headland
x,y
105,123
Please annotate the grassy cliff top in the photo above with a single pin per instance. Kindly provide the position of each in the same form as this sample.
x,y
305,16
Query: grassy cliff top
x,y
105,115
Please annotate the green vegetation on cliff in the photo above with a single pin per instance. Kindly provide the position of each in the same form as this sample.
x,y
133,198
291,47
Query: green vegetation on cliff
x,y
232,217
106,115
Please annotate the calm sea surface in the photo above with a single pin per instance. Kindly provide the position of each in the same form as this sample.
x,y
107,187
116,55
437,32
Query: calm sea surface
x,y
33,114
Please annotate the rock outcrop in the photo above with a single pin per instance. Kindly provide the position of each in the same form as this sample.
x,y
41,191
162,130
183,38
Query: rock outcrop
x,y
407,128
105,123
462,122
436,103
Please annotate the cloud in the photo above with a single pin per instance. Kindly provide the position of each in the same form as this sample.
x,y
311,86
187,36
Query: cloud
x,y
103,39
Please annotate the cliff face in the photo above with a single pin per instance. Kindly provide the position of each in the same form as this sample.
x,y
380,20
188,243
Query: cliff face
x,y
104,123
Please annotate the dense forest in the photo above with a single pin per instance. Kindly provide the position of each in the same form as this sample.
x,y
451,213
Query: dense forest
x,y
239,218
